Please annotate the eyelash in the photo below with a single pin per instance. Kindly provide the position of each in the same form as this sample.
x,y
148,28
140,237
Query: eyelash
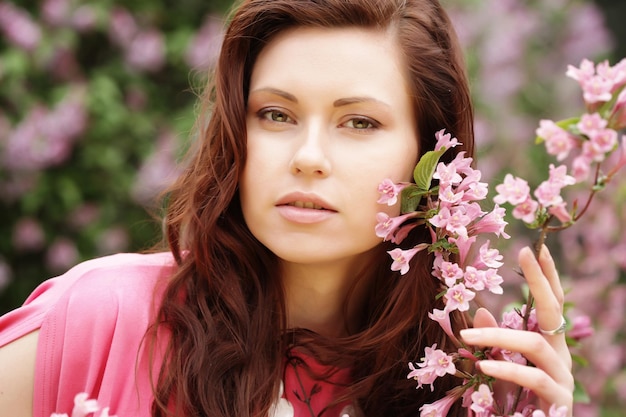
x,y
266,115
372,124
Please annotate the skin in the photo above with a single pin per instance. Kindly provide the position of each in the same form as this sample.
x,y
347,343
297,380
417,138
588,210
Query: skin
x,y
17,375
328,117
552,378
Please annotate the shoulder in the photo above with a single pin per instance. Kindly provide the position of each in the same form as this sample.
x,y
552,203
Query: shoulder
x,y
100,290
92,338
112,281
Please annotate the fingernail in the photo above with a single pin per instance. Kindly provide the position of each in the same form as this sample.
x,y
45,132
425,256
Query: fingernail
x,y
471,335
487,366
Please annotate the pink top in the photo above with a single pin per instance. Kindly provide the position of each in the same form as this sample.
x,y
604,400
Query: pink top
x,y
91,323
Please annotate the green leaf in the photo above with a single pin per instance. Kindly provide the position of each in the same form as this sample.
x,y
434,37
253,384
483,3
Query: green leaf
x,y
410,199
425,168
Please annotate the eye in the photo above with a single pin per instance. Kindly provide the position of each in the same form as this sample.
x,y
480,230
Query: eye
x,y
275,115
361,123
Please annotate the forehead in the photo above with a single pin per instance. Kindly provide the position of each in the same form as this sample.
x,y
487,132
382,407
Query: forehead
x,y
349,58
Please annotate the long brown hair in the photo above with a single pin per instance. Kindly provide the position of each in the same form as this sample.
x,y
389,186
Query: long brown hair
x,y
224,306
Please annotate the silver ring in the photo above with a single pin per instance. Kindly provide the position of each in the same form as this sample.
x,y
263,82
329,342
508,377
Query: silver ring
x,y
558,330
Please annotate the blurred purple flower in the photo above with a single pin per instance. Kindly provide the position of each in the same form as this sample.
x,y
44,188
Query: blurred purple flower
x,y
84,18
19,27
28,235
84,215
63,64
113,240
135,98
587,33
122,26
158,171
55,12
146,51
6,275
45,138
204,48
61,255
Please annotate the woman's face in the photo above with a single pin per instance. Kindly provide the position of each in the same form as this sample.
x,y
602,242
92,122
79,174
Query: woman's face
x,y
329,117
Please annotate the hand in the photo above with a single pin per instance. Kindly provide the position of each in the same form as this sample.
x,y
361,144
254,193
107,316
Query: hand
x,y
551,379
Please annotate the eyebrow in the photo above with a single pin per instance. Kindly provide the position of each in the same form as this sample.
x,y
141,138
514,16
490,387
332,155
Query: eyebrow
x,y
276,91
355,100
337,103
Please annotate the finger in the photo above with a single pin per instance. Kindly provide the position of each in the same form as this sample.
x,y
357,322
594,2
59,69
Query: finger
x,y
535,379
532,345
484,318
545,288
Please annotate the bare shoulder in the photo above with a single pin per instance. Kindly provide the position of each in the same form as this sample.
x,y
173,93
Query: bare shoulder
x,y
17,373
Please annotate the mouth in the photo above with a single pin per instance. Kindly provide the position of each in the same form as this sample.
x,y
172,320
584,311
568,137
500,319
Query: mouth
x,y
305,204
305,201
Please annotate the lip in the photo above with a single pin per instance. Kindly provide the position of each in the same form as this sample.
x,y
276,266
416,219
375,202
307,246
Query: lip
x,y
322,211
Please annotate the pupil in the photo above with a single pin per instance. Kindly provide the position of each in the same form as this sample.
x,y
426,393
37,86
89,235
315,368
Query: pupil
x,y
278,117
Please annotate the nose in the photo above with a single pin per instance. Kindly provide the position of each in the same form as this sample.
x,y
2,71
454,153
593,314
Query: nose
x,y
311,155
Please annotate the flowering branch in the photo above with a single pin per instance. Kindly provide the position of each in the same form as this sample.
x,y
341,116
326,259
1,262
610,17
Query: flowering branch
x,y
444,199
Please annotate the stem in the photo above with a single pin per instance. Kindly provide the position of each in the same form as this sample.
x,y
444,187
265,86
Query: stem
x,y
530,301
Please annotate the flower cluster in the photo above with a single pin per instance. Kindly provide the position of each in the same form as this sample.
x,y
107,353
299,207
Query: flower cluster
x,y
83,406
449,209
593,137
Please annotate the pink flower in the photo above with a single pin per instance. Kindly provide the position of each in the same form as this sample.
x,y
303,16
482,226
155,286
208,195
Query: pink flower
x,y
526,211
439,408
615,74
597,89
489,257
443,318
581,328
581,167
548,194
387,227
401,258
474,278
493,222
389,192
445,140
617,119
560,212
513,190
558,141
439,361
493,281
605,140
83,405
447,174
448,196
423,376
586,71
554,411
458,298
482,400
591,123
559,177
450,273
464,244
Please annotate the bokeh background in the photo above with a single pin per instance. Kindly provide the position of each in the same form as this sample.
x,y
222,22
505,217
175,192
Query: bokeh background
x,y
97,105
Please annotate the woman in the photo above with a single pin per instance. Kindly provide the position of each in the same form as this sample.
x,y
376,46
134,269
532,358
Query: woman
x,y
276,285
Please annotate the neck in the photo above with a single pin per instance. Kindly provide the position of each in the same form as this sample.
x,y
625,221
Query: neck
x,y
326,299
